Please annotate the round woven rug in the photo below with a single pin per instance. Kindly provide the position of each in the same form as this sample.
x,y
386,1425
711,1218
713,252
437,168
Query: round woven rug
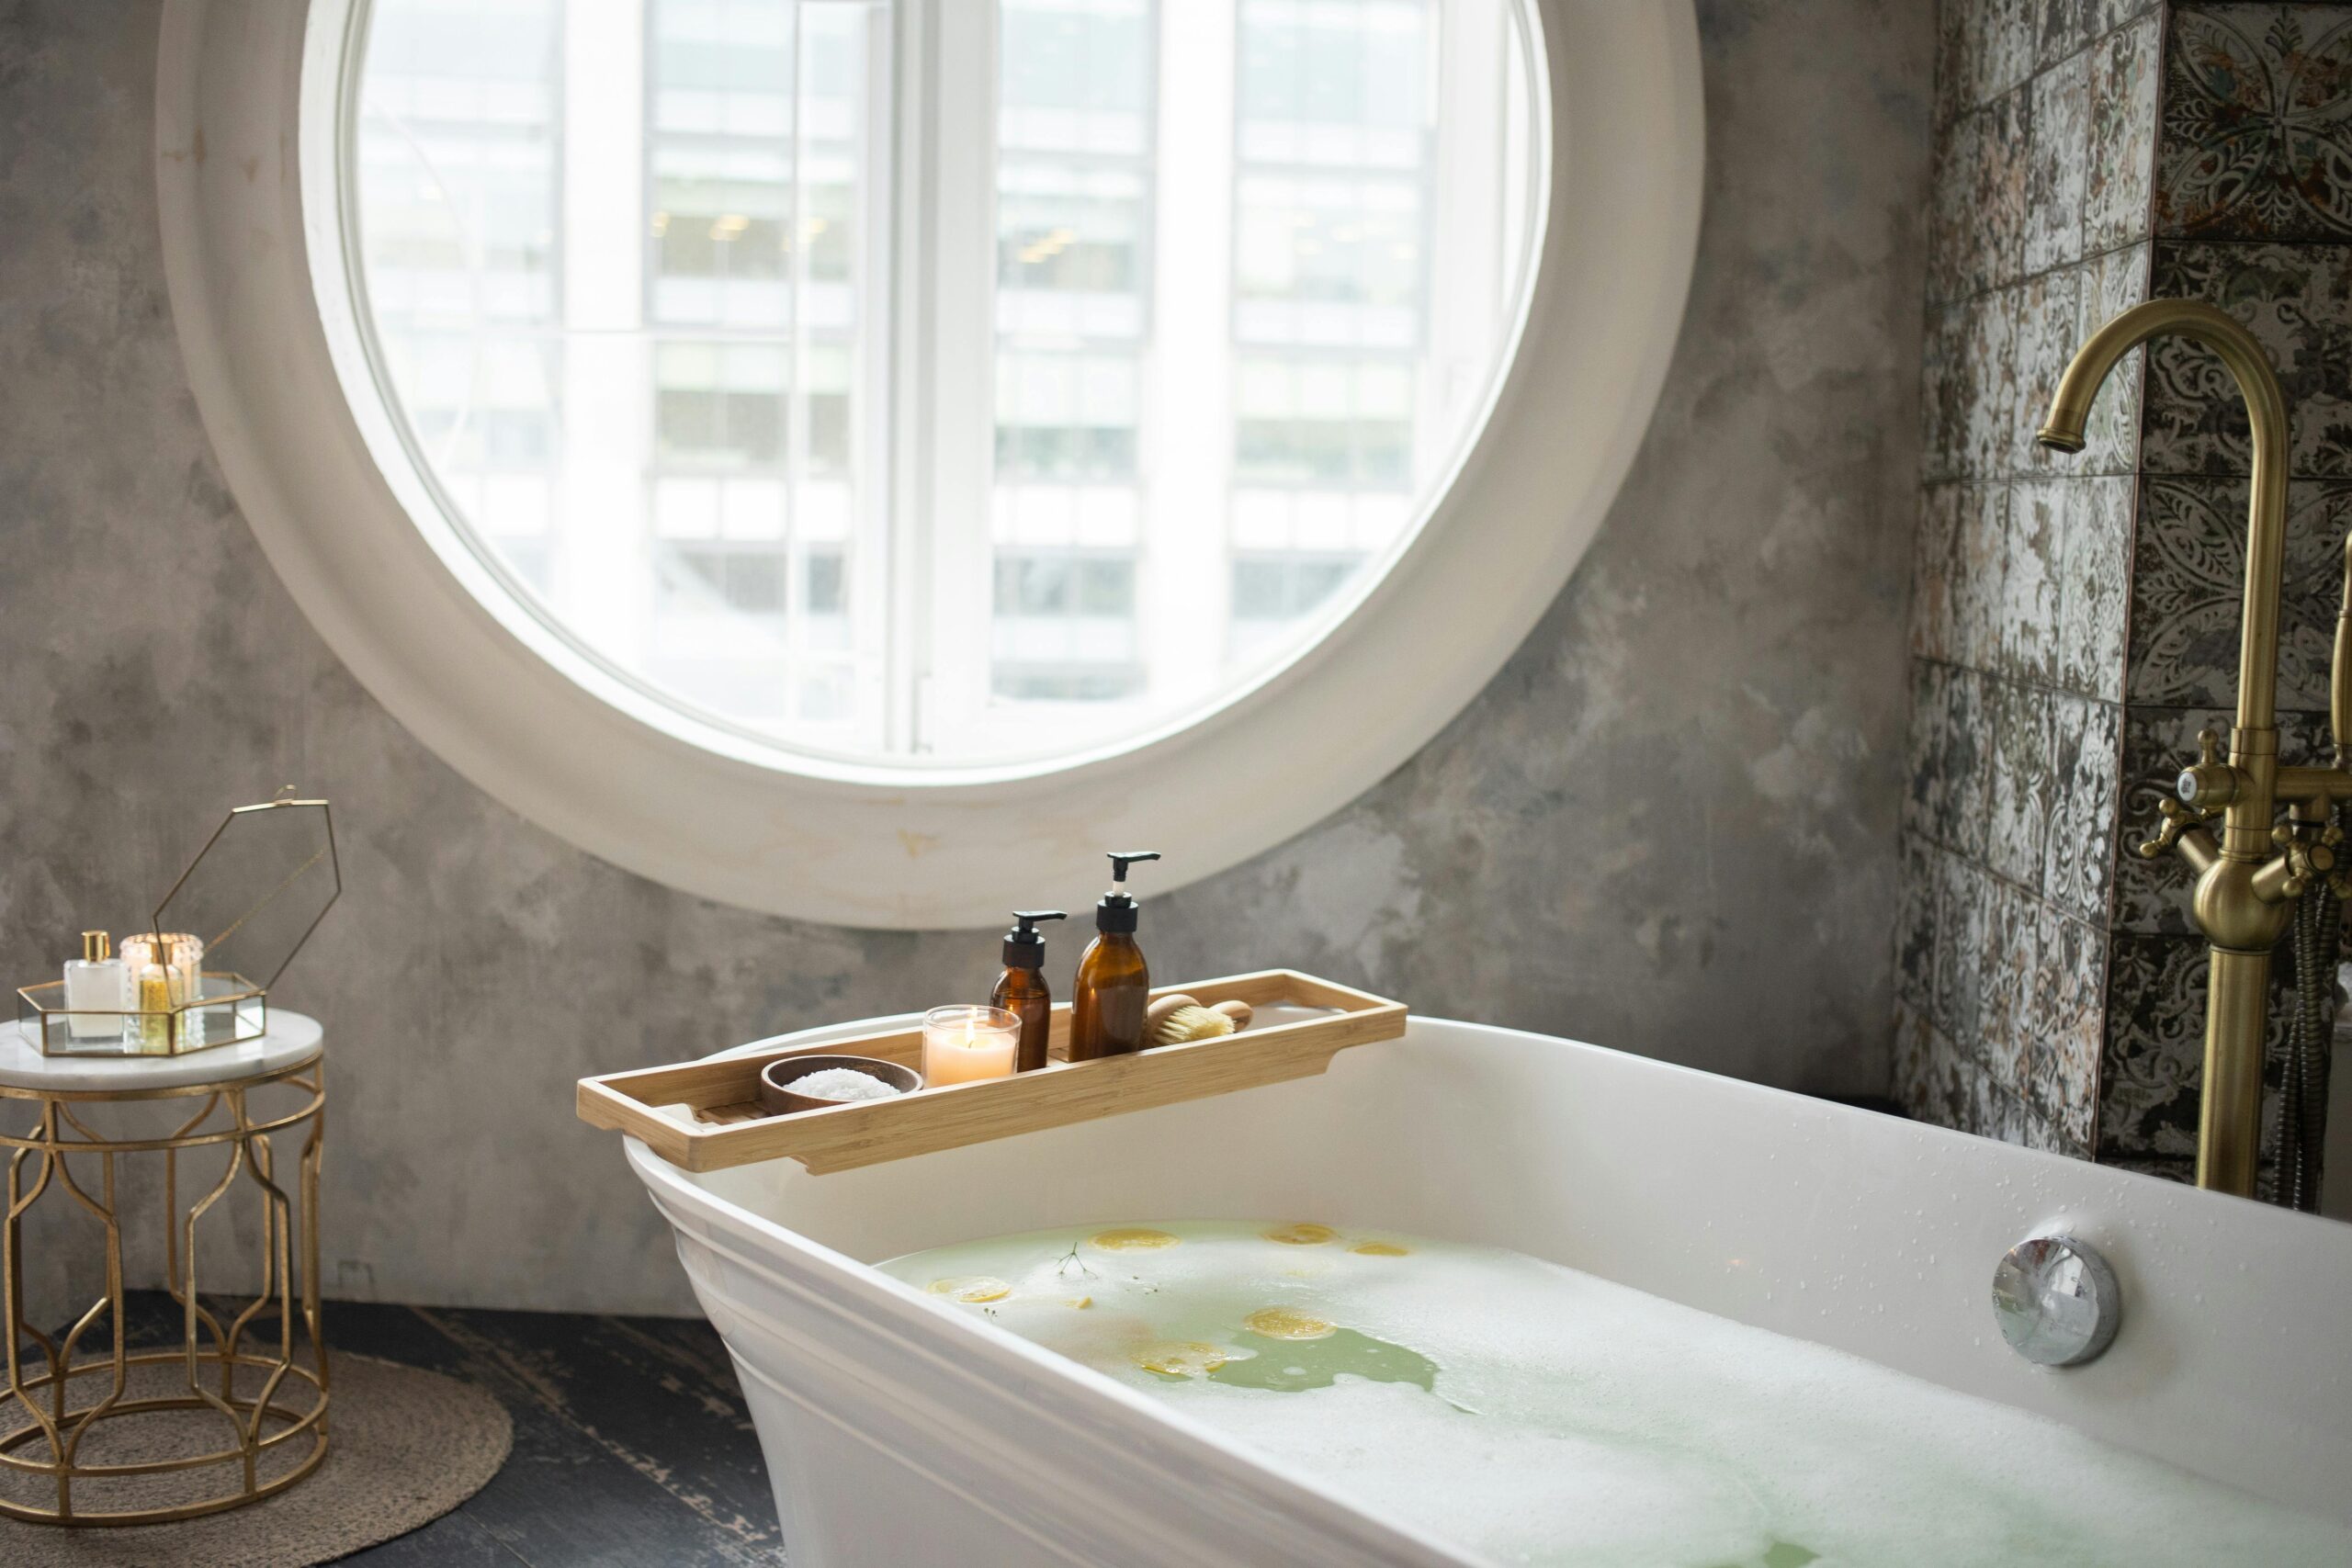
x,y
405,1447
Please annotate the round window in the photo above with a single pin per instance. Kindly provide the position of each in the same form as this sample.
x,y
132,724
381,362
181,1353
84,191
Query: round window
x,y
999,423
862,458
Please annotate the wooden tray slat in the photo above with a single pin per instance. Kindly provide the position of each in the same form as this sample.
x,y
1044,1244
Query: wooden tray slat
x,y
729,1127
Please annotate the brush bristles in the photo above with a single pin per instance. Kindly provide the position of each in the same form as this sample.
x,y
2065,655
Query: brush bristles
x,y
1186,1024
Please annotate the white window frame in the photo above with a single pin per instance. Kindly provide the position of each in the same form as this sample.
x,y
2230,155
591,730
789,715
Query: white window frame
x,y
248,105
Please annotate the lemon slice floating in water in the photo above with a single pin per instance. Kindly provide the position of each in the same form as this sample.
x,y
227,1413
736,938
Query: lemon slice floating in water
x,y
1132,1238
1181,1359
1380,1249
971,1288
1306,1232
1287,1323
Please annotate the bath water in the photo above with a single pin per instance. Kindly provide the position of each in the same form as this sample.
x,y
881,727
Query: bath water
x,y
1532,1414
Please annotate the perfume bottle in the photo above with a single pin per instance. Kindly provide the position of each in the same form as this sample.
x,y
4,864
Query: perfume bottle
x,y
98,981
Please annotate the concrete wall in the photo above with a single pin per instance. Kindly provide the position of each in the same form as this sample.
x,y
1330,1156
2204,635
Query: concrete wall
x,y
1668,825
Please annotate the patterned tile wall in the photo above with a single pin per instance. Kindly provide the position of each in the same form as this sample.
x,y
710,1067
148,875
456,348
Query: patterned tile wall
x,y
2037,232
2076,620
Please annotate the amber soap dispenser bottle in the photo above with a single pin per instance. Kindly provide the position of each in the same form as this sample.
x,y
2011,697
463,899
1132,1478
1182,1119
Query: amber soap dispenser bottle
x,y
1022,990
1113,984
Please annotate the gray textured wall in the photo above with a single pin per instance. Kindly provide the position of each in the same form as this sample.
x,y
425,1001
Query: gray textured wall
x,y
1668,825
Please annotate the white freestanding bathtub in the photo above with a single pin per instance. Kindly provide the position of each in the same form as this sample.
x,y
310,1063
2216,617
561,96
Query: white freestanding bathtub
x,y
898,1432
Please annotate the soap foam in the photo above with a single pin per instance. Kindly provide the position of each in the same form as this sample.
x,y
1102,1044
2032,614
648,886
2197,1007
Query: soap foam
x,y
1573,1421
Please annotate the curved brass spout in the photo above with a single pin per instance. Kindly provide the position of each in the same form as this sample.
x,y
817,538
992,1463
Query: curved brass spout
x,y
2265,406
2245,883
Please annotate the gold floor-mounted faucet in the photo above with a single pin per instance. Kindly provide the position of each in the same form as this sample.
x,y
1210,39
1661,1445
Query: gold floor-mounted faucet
x,y
2248,880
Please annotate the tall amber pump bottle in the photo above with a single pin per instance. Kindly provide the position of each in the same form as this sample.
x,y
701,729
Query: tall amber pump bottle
x,y
1022,990
1113,983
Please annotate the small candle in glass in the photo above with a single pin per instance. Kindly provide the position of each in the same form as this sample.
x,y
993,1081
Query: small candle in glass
x,y
966,1044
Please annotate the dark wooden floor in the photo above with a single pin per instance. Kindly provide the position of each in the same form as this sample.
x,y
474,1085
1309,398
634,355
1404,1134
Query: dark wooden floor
x,y
631,1443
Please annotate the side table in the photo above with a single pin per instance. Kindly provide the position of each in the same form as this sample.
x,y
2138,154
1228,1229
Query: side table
x,y
263,1372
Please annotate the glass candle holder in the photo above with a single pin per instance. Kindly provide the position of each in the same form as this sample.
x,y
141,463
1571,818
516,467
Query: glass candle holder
x,y
966,1044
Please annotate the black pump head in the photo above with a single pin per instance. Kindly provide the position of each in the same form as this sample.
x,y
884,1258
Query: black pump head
x,y
1116,911
1024,944
1121,859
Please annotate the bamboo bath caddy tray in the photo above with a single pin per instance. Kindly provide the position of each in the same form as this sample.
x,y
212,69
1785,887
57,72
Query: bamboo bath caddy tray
x,y
730,1127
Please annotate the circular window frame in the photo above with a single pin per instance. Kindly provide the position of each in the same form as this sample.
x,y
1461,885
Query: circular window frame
x,y
248,116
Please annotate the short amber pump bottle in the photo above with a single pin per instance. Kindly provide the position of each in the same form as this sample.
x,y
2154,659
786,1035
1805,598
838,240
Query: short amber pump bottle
x,y
1113,983
1022,990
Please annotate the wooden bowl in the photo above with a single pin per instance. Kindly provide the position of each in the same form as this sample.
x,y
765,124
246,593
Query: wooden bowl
x,y
782,1102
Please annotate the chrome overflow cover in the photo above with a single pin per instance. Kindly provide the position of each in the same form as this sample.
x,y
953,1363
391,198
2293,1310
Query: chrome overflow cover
x,y
2056,1301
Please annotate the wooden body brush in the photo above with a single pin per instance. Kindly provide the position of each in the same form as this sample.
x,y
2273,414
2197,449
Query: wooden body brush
x,y
1174,1020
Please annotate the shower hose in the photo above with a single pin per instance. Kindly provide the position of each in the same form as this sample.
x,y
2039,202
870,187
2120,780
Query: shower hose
x,y
2303,1098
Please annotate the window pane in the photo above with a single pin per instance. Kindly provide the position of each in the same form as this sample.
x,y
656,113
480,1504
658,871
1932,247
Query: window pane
x,y
633,361
1237,297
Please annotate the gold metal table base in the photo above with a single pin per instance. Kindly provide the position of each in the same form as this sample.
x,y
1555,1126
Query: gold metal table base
x,y
269,1389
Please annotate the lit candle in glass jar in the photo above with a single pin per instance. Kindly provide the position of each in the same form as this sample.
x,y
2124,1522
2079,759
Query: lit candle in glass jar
x,y
965,1045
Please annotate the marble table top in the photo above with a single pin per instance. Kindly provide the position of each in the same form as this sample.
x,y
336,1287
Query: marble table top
x,y
291,1038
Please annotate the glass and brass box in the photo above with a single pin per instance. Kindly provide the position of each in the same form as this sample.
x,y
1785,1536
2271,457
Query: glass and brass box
x,y
233,922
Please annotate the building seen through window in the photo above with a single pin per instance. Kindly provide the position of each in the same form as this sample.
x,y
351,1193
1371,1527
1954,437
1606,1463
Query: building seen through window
x,y
716,398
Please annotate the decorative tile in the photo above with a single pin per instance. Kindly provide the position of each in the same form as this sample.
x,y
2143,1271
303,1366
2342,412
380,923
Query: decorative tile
x,y
1976,237
2058,32
2122,142
1926,807
2094,585
2086,737
1945,394
1979,568
2022,784
2049,311
1994,1112
2181,1171
2188,579
1945,1097
1963,915
2063,1047
2008,985
2151,1072
2059,133
2153,1064
1968,764
2010,30
2257,124
2150,897
2297,300
2112,284
2029,604
2049,1137
1914,923
1915,1045
1989,352
1955,66
2103,16
1934,559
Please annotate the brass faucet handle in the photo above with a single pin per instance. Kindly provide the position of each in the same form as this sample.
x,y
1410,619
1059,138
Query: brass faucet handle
x,y
2208,747
2179,819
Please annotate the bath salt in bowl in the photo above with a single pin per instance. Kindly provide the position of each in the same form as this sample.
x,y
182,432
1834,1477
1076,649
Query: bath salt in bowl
x,y
811,1083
